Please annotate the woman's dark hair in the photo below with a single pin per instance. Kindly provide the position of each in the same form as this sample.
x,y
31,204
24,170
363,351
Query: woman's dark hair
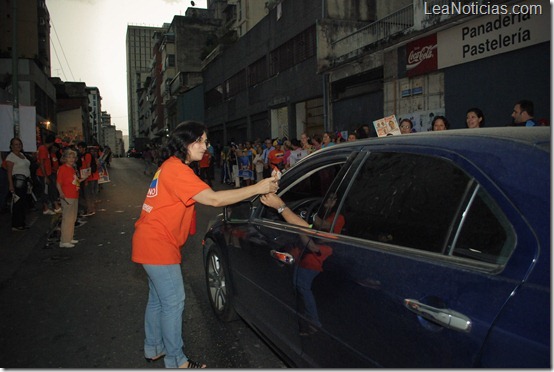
x,y
446,124
360,132
16,139
182,136
479,114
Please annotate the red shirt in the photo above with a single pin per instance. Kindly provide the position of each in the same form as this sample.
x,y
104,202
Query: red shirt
x,y
67,179
205,162
44,158
86,159
96,175
276,156
167,214
55,162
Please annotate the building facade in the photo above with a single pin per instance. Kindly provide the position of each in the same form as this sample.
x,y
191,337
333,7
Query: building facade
x,y
32,70
139,43
422,64
73,112
267,83
95,115
327,65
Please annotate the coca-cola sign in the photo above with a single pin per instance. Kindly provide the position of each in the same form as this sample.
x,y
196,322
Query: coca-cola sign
x,y
421,56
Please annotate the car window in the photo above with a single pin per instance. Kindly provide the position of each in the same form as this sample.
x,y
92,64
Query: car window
x,y
485,233
422,202
305,195
405,199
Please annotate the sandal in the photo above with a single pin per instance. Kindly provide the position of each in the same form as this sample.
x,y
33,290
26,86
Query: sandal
x,y
193,364
158,357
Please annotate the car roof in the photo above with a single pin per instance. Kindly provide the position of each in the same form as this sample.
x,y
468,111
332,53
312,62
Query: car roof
x,y
532,136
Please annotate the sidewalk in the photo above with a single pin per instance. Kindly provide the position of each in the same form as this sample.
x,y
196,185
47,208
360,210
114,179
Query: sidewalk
x,y
15,246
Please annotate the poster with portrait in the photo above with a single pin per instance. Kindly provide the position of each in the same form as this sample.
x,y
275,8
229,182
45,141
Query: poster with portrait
x,y
386,126
103,174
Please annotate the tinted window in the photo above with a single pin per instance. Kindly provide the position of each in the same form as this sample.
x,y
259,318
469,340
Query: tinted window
x,y
405,199
485,234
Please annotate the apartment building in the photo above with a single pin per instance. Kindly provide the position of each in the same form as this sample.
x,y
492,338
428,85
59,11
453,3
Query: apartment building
x,y
139,43
327,65
95,114
267,83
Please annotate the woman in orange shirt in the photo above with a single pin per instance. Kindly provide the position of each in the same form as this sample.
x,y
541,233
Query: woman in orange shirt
x,y
67,184
163,227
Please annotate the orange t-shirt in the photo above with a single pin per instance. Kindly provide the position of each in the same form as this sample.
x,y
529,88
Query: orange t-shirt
x,y
314,260
96,175
44,157
276,156
340,222
67,178
167,213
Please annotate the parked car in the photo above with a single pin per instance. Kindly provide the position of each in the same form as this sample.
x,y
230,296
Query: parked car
x,y
133,153
437,254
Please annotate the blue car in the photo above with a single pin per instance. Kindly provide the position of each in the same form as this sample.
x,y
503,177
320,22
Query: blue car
x,y
432,250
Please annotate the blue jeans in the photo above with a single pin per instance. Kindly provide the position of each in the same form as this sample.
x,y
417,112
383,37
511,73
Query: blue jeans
x,y
163,320
304,280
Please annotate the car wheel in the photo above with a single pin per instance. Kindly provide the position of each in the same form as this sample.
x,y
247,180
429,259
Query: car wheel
x,y
218,284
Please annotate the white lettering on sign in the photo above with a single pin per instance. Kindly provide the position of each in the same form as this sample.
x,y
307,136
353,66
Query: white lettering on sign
x,y
418,56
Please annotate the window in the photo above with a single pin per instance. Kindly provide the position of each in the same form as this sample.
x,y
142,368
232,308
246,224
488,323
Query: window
x,y
429,204
306,195
485,233
405,199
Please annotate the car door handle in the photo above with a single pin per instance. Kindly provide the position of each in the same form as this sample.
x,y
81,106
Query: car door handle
x,y
281,256
445,317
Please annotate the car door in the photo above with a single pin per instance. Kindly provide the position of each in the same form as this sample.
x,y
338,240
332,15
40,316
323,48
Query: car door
x,y
264,256
409,285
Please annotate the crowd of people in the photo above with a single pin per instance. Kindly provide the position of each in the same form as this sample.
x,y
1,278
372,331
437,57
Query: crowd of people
x,y
248,162
59,178
29,180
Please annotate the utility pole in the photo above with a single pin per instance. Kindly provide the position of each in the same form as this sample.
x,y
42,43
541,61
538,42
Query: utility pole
x,y
15,75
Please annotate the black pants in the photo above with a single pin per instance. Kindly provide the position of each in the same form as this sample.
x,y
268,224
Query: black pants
x,y
19,208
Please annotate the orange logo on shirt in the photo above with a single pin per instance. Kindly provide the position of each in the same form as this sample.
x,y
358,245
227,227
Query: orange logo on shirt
x,y
153,190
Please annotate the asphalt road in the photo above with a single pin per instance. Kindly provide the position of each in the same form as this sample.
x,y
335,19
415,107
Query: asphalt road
x,y
84,307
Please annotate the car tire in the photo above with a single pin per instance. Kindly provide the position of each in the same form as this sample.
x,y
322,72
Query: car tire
x,y
218,285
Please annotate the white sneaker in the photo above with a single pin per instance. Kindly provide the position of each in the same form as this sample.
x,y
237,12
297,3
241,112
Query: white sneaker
x,y
66,245
48,211
74,241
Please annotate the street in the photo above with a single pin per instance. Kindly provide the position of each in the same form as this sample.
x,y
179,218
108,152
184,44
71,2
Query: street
x,y
84,307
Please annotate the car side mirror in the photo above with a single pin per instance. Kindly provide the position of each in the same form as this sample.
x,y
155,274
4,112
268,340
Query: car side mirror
x,y
239,212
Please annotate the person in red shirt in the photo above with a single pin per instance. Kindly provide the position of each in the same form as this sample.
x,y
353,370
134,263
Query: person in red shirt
x,y
55,156
204,165
44,171
86,194
276,156
68,184
166,220
93,181
312,258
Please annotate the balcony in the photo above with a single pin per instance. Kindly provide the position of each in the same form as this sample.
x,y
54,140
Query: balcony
x,y
399,22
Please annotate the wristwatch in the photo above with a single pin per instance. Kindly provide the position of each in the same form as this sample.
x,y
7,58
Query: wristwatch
x,y
281,208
